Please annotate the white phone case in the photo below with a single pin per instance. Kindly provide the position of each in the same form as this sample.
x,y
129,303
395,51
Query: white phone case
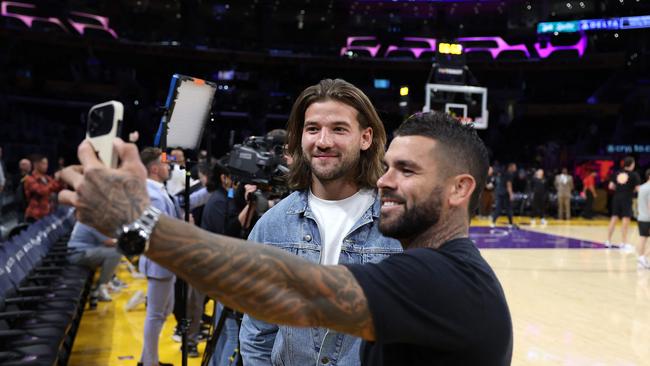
x,y
103,144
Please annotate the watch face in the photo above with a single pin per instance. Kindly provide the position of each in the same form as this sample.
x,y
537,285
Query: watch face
x,y
132,241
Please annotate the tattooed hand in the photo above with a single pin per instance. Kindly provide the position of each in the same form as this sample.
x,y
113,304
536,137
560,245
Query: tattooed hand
x,y
107,198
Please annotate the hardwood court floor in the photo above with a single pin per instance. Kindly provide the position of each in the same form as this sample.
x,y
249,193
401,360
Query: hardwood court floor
x,y
585,306
110,335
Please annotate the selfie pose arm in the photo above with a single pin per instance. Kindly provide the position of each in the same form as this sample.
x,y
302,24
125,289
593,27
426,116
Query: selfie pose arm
x,y
262,281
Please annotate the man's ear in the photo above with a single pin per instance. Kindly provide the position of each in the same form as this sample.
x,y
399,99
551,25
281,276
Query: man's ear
x,y
462,189
366,138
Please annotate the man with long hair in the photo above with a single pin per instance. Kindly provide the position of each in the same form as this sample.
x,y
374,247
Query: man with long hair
x,y
336,141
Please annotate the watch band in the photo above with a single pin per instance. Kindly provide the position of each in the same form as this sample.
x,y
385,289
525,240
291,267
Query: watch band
x,y
147,222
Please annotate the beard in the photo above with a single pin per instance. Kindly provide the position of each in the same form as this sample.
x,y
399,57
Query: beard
x,y
414,220
347,166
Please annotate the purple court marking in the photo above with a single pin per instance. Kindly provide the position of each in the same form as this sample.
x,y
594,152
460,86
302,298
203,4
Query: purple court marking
x,y
505,238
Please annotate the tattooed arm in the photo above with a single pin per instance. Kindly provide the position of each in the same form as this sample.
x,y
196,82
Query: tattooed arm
x,y
265,282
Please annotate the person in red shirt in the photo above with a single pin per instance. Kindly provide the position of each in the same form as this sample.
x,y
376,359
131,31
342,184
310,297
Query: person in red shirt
x,y
589,192
39,187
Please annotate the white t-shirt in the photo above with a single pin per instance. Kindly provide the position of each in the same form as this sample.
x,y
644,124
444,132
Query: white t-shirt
x,y
643,202
335,220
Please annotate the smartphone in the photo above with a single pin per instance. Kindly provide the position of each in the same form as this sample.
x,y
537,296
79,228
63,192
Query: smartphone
x,y
104,125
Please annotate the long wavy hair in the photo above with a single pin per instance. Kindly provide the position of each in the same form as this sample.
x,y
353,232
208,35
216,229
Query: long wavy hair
x,y
370,164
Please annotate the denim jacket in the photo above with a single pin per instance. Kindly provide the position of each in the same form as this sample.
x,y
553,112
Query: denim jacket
x,y
290,226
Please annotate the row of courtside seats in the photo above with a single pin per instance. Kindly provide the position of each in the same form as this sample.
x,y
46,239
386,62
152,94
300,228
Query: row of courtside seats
x,y
42,296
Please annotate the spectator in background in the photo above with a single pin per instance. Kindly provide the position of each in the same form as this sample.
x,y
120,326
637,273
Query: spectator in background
x,y
176,182
92,249
487,198
504,194
39,188
624,183
60,164
160,281
540,197
589,192
179,156
564,186
24,169
644,221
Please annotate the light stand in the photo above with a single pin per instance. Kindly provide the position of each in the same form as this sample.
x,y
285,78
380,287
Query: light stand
x,y
184,116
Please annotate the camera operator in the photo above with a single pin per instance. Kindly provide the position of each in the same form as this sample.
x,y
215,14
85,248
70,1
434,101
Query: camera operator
x,y
25,169
437,303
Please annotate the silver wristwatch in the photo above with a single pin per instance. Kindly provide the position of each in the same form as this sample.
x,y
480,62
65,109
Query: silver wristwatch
x,y
133,238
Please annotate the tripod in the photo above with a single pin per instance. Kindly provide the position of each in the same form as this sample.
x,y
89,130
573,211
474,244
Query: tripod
x,y
235,358
227,313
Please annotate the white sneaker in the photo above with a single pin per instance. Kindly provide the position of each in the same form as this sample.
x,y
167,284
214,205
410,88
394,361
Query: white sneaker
x,y
544,222
493,224
135,300
102,294
643,262
608,244
532,222
627,248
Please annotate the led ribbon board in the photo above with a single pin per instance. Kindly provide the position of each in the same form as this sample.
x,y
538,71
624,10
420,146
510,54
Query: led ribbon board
x,y
574,26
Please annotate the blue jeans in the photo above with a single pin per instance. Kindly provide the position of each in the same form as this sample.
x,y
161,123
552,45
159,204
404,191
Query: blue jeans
x,y
227,341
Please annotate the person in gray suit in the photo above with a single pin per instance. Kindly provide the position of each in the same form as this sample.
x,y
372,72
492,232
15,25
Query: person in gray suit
x,y
160,285
564,186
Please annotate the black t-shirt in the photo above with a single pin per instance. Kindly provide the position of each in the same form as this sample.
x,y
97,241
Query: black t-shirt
x,y
436,307
502,182
538,187
625,182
